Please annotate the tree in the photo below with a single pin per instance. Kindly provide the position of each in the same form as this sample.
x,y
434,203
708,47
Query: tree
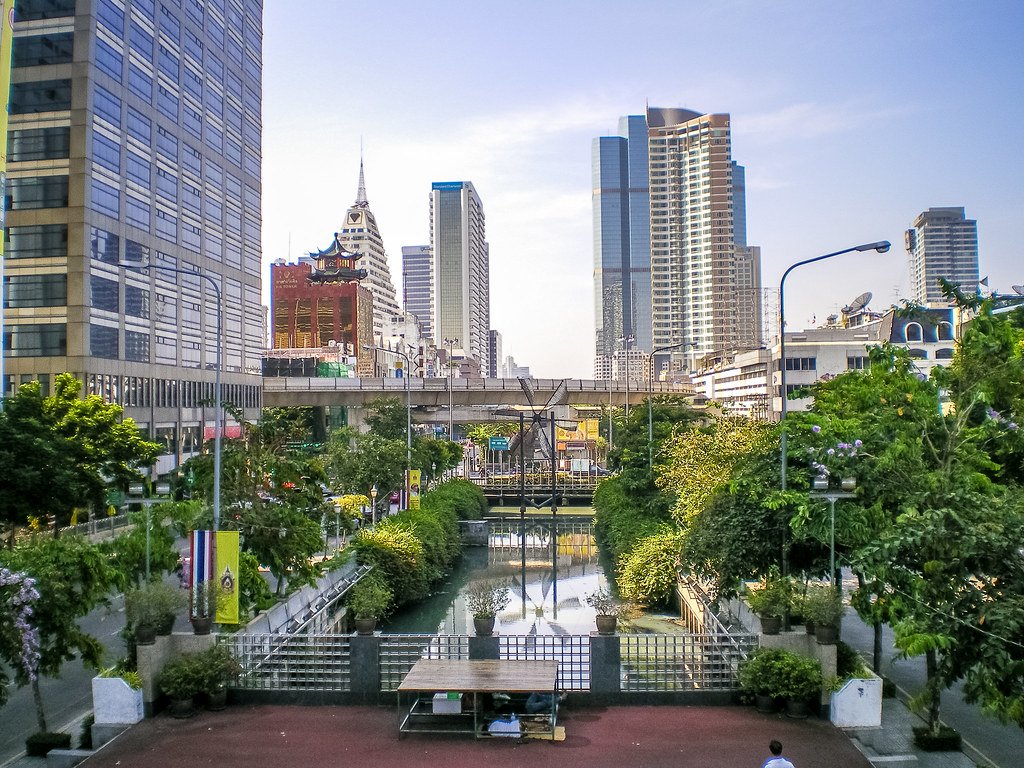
x,y
356,464
60,452
128,550
387,417
72,577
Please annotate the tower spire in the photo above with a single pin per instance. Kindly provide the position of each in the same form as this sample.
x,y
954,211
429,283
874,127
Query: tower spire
x,y
361,192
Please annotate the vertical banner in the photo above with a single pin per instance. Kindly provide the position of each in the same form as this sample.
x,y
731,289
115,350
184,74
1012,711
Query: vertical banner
x,y
6,41
202,562
227,575
413,488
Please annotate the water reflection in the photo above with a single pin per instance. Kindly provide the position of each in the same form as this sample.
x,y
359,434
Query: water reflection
x,y
550,577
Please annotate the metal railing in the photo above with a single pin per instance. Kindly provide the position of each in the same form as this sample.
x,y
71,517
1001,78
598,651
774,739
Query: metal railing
x,y
398,653
99,525
572,652
293,383
291,662
658,663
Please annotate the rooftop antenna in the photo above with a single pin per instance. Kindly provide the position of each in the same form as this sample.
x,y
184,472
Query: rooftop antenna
x,y
1018,289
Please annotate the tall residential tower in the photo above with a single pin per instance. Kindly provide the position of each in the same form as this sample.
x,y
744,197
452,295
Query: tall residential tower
x,y
418,285
461,307
135,136
942,243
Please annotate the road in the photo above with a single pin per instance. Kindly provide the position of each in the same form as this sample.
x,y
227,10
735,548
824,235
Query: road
x,y
984,737
64,698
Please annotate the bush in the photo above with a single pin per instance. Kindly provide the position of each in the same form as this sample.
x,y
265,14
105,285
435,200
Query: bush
x,y
85,735
799,677
152,603
214,668
772,598
393,549
848,662
370,598
648,574
823,605
38,744
462,497
760,674
182,678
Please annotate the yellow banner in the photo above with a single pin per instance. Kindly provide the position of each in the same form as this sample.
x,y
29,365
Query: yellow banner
x,y
414,489
587,429
226,573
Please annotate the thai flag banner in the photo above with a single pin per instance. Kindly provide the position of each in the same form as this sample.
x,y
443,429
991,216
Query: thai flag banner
x,y
203,562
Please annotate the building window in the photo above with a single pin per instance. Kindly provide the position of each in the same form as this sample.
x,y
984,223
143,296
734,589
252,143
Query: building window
x,y
40,96
137,212
39,50
104,246
945,353
103,341
105,199
106,153
945,331
37,192
857,362
109,60
45,241
912,332
136,346
919,354
104,294
32,10
36,340
801,364
136,301
35,291
39,144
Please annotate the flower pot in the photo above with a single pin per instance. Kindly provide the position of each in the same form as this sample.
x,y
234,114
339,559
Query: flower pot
x,y
765,703
826,634
201,625
217,700
771,625
366,626
166,624
145,635
484,625
796,709
606,624
809,626
181,708
848,483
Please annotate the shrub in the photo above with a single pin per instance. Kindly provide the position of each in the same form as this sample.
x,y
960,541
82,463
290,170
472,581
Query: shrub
x,y
370,598
38,744
182,678
602,602
214,668
131,677
799,677
760,674
648,574
152,603
823,605
462,497
848,662
394,550
772,598
488,598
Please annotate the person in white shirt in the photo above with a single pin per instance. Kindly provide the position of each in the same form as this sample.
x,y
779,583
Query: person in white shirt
x,y
776,760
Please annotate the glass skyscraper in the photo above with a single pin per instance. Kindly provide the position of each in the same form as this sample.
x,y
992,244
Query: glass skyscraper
x,y
135,136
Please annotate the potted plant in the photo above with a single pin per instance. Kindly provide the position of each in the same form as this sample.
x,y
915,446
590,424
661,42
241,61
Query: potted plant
x,y
607,611
824,606
151,608
770,601
205,599
485,599
369,601
216,667
181,679
799,680
759,678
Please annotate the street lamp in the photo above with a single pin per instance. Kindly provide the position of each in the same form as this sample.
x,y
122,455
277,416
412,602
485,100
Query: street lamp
x,y
832,495
218,413
650,397
881,246
373,505
450,343
408,403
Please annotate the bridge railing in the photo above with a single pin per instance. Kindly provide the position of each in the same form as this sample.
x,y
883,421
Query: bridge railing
x,y
305,384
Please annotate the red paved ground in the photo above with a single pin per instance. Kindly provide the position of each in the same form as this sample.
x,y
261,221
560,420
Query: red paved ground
x,y
612,737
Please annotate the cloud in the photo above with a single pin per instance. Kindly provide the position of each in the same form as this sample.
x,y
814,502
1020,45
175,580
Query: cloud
x,y
808,120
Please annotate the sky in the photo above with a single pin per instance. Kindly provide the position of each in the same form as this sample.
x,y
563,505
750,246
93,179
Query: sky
x,y
850,118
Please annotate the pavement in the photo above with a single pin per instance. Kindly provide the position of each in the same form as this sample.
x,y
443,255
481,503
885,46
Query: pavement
x,y
595,737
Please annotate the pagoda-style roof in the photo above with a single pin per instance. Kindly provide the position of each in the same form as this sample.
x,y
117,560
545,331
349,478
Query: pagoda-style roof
x,y
334,249
335,265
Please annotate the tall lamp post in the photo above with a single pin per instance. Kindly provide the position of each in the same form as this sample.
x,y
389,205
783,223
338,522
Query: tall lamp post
x,y
881,246
408,402
373,505
450,344
218,413
822,490
650,396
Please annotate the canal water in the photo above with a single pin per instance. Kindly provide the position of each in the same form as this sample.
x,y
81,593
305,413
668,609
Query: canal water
x,y
549,578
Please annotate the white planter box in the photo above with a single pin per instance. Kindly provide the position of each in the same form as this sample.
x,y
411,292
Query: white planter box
x,y
114,701
447,704
858,704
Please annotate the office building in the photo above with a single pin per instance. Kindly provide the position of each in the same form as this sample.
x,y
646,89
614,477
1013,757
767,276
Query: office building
x,y
494,351
134,136
942,243
461,307
671,261
359,234
418,285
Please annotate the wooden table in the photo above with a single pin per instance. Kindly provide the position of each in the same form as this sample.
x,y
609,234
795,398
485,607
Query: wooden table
x,y
430,676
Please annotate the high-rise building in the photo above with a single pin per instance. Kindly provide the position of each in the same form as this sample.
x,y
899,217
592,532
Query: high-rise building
x,y
418,286
942,243
461,264
134,137
359,235
494,351
671,262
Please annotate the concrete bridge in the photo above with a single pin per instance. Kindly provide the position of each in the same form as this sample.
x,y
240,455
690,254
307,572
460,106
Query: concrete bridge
x,y
440,392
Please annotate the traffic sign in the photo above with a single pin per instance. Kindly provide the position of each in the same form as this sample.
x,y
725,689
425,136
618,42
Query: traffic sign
x,y
497,443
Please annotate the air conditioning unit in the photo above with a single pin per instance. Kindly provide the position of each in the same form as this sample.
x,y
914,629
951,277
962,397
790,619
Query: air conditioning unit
x,y
332,343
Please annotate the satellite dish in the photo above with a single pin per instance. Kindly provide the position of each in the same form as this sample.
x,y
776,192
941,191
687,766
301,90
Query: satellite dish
x,y
1018,289
857,304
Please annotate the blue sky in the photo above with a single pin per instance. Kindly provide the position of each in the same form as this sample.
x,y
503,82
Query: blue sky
x,y
851,118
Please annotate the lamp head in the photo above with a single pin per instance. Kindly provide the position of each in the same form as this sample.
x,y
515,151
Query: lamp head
x,y
367,346
881,246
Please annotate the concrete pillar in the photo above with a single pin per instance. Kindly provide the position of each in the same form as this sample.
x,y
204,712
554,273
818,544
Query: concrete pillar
x,y
605,663
364,667
483,648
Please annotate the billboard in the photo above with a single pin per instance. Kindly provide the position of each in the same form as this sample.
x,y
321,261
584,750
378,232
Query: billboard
x,y
587,429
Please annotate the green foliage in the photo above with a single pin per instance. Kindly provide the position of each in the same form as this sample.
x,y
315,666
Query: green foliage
x,y
38,744
60,452
214,668
356,464
648,573
488,598
623,518
462,497
772,597
387,417
131,677
128,550
603,602
394,550
370,598
151,603
254,592
182,678
760,674
823,605
799,677
849,663
282,538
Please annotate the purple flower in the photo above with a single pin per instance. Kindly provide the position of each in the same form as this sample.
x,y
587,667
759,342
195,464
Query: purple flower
x,y
857,443
831,451
815,429
1012,425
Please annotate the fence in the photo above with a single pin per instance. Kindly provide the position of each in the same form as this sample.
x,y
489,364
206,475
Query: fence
x,y
605,665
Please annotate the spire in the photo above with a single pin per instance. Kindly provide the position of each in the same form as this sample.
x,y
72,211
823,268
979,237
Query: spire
x,y
361,192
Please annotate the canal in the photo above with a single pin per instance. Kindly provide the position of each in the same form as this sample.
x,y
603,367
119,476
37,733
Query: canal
x,y
548,575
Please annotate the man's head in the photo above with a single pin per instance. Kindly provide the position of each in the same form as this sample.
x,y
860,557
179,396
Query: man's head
x,y
775,747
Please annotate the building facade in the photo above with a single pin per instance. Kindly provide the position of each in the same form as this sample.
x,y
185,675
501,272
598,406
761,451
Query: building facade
x,y
942,243
671,261
134,138
461,307
495,354
418,285
359,234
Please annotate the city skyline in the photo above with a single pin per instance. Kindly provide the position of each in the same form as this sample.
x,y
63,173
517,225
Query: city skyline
x,y
849,123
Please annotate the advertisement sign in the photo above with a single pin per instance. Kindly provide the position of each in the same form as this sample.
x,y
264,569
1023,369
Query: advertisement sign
x,y
413,488
587,429
497,443
226,573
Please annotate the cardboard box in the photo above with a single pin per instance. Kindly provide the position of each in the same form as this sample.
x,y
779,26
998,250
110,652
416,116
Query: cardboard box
x,y
447,703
